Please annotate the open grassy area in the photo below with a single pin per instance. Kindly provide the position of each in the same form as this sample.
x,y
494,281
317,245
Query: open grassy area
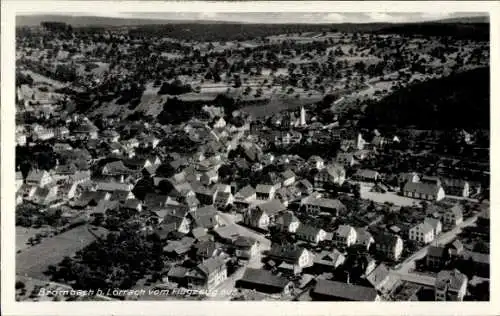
x,y
34,261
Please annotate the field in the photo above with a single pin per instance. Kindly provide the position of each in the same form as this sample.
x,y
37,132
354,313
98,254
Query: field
x,y
23,234
280,103
34,261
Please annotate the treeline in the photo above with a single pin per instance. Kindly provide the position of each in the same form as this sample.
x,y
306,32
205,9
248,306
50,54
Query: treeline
x,y
461,100
476,31
240,32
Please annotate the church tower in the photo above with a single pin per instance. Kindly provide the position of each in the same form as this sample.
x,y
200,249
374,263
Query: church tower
x,y
302,116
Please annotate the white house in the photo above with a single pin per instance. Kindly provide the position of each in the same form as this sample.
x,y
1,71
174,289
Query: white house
x,y
423,233
345,236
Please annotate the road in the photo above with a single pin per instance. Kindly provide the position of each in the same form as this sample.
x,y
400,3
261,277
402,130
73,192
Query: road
x,y
405,269
226,288
228,219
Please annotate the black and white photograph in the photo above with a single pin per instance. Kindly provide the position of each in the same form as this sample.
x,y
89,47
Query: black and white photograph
x,y
251,156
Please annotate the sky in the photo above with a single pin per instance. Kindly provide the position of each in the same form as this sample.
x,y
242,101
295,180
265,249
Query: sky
x,y
288,17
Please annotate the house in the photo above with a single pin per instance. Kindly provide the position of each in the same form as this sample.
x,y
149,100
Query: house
x,y
204,250
218,122
424,191
256,218
19,180
436,225
177,275
45,195
133,204
332,174
406,177
316,162
310,233
389,245
422,233
305,187
345,236
456,187
328,261
455,248
436,257
366,175
451,285
345,159
263,215
246,194
265,191
453,216
364,238
205,195
382,280
111,186
246,247
174,222
67,191
379,141
154,201
205,217
299,257
287,222
478,262
209,177
326,290
208,274
288,177
315,205
223,199
38,178
264,281
80,177
179,248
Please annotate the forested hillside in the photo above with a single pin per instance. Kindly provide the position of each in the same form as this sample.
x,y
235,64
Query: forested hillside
x,y
460,100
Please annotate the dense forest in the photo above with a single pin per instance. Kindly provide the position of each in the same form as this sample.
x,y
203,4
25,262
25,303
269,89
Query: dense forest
x,y
461,100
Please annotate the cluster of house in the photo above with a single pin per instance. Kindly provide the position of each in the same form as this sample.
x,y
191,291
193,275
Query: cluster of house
x,y
186,215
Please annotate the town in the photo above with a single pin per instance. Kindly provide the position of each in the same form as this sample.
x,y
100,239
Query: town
x,y
203,163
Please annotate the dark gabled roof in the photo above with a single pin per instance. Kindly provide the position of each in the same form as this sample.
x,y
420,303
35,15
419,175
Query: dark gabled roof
x,y
119,195
287,218
272,207
307,230
263,277
306,183
386,239
204,216
477,257
205,248
435,251
348,292
155,200
450,182
132,203
290,253
421,188
244,242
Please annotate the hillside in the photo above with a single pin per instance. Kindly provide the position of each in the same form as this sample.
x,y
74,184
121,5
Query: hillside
x,y
228,31
460,100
